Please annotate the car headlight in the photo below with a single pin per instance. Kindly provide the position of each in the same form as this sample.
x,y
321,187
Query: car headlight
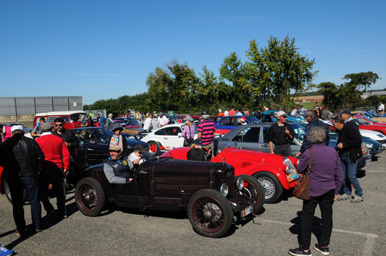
x,y
224,189
290,168
240,183
370,146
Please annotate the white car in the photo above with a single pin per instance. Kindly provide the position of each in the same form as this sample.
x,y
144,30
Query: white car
x,y
374,135
167,138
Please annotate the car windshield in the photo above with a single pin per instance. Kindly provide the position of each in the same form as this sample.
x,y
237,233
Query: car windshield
x,y
368,119
299,131
358,121
252,119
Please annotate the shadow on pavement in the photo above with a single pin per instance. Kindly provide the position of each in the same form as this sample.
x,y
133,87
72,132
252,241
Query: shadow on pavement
x,y
316,226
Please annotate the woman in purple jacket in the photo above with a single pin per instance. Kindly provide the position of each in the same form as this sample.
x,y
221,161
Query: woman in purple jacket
x,y
326,181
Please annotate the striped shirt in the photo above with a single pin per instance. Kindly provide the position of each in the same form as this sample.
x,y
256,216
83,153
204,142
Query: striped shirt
x,y
207,128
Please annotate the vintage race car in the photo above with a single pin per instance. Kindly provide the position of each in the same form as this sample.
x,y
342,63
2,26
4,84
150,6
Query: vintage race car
x,y
213,197
272,171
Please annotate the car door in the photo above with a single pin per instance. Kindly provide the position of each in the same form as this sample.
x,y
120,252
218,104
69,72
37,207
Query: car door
x,y
248,138
228,122
173,138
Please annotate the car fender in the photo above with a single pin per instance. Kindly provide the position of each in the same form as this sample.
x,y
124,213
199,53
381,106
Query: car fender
x,y
279,174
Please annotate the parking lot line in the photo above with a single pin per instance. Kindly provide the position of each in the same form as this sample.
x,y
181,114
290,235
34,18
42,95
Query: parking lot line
x,y
370,238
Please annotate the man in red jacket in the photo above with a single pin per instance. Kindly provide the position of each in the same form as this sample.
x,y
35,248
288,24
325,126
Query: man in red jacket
x,y
54,168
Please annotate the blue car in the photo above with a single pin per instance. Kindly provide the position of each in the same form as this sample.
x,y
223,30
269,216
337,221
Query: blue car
x,y
296,119
230,122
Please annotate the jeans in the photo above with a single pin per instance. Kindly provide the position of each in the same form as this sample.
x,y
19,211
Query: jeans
x,y
16,187
325,203
55,178
350,176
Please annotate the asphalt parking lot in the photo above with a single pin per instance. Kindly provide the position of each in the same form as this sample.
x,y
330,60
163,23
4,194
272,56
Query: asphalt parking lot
x,y
359,229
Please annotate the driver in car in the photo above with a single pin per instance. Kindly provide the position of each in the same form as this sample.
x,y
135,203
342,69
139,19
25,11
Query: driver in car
x,y
136,155
118,169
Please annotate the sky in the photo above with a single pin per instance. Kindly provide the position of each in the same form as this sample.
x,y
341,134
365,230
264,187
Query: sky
x,y
106,49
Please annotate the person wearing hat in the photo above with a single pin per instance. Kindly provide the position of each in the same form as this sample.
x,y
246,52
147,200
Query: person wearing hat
x,y
188,132
242,121
163,120
119,139
136,155
53,169
206,132
349,148
117,168
20,156
281,134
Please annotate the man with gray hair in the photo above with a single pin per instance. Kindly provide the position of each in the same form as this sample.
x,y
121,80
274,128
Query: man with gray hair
x,y
313,121
20,156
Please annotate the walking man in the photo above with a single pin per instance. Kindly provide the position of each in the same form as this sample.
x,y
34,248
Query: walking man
x,y
20,157
54,168
281,134
349,149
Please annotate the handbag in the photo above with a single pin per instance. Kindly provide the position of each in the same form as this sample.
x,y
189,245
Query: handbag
x,y
302,186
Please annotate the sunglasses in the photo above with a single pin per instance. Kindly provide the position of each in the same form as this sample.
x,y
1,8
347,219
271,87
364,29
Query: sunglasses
x,y
284,116
116,151
58,124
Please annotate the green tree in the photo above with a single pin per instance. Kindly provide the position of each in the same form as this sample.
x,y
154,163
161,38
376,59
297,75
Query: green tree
x,y
331,95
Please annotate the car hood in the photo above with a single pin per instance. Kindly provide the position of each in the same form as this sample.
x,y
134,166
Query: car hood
x,y
373,135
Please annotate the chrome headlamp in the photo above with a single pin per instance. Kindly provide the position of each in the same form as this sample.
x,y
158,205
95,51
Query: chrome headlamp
x,y
290,168
240,183
224,189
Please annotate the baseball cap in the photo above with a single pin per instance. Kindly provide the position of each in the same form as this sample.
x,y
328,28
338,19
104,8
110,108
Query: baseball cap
x,y
281,113
345,111
243,119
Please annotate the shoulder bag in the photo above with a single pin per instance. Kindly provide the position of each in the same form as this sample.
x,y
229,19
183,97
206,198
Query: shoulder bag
x,y
302,186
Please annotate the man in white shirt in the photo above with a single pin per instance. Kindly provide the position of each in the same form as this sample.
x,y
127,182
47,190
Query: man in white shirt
x,y
163,120
381,109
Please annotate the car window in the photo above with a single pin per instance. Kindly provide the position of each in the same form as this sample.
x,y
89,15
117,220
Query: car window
x,y
252,120
265,134
226,121
250,134
171,131
51,119
299,132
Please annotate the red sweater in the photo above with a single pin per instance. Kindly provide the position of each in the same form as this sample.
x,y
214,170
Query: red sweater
x,y
55,152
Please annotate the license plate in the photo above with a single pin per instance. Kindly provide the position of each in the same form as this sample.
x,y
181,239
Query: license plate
x,y
246,211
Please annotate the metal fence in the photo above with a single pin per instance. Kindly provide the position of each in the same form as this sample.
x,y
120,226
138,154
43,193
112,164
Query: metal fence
x,y
31,105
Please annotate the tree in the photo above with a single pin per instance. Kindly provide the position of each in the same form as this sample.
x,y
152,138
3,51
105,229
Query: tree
x,y
331,95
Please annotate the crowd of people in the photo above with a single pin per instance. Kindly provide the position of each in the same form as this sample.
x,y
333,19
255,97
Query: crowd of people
x,y
34,164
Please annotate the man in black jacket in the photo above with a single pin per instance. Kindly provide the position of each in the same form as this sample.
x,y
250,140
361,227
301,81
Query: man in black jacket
x,y
20,157
313,120
349,149
281,134
67,135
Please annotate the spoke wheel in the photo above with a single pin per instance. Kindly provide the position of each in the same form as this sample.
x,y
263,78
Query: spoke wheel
x,y
254,191
90,198
272,187
210,213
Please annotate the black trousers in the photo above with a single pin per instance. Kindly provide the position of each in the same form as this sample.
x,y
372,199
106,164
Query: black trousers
x,y
325,202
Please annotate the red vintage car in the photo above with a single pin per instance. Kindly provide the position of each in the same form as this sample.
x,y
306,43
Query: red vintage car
x,y
272,171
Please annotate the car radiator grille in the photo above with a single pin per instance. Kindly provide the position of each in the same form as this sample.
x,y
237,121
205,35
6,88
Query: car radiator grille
x,y
181,184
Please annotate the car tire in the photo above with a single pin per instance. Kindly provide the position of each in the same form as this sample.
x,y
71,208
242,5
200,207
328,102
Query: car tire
x,y
210,213
7,192
254,191
90,197
154,147
272,187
